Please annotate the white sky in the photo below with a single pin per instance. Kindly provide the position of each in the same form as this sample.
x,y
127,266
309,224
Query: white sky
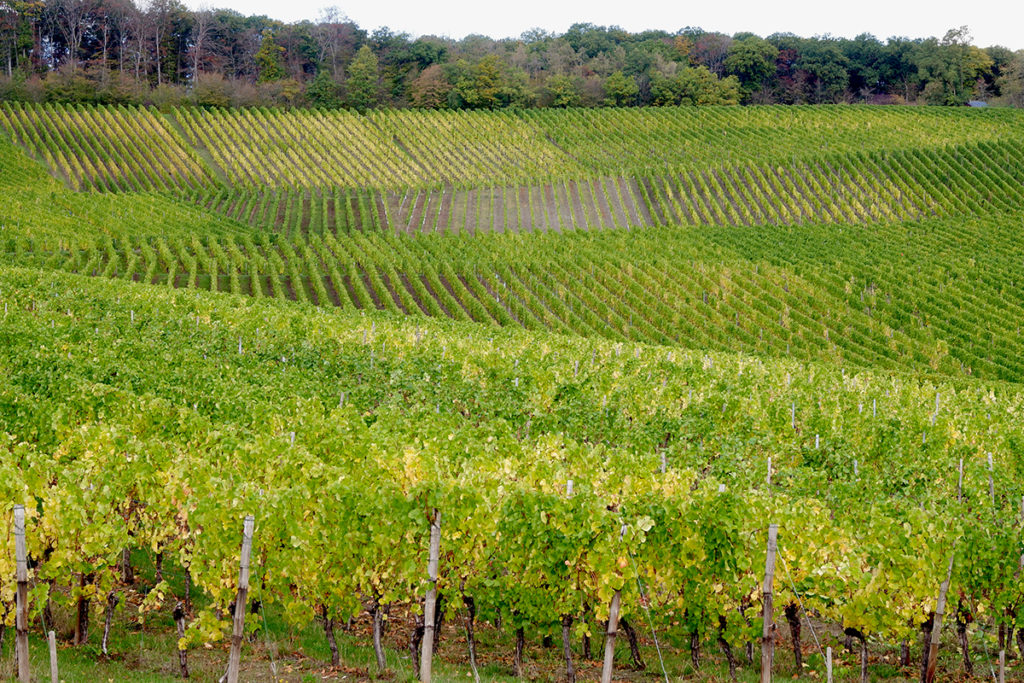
x,y
992,22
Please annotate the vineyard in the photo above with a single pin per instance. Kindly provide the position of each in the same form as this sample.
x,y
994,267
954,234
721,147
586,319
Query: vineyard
x,y
727,391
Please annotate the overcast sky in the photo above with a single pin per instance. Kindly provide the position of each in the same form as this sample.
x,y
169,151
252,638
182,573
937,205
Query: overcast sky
x,y
992,22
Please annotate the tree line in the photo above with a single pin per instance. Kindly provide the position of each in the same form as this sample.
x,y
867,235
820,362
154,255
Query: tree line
x,y
162,53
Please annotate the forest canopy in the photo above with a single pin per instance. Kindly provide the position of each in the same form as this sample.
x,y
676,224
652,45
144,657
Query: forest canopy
x,y
162,53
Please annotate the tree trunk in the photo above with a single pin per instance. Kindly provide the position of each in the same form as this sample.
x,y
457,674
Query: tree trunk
x,y
438,620
792,612
726,648
329,632
744,605
570,672
82,618
471,634
587,654
1020,641
378,643
179,622
926,637
415,641
127,574
517,661
962,617
695,648
108,617
904,653
159,567
634,645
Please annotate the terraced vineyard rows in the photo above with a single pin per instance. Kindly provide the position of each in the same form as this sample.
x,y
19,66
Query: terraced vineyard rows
x,y
609,140
808,317
853,294
106,148
668,451
849,188
38,207
259,148
407,151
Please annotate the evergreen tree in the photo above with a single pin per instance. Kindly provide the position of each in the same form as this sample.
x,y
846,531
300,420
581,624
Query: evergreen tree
x,y
269,61
363,76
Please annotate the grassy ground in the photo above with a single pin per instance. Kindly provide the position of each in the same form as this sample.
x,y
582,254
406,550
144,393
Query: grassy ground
x,y
276,652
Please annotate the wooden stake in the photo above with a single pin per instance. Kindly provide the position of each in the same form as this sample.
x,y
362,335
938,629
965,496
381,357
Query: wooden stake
x,y
828,664
52,640
609,638
768,630
429,606
21,617
238,628
940,609
1002,666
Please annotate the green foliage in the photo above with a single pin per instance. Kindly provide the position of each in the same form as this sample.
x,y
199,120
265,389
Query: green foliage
x,y
488,84
620,90
324,91
563,91
752,61
363,80
269,59
694,86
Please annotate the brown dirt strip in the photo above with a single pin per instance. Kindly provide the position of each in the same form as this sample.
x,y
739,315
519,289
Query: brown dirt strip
x,y
332,291
494,295
378,304
446,210
347,281
391,290
451,290
426,285
412,292
551,208
602,205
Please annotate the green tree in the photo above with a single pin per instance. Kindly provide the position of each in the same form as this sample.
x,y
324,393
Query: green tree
x,y
487,85
269,59
363,79
752,61
620,90
950,68
562,91
695,87
324,91
1011,82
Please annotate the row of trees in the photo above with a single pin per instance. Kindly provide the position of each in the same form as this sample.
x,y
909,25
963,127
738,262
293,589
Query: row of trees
x,y
165,53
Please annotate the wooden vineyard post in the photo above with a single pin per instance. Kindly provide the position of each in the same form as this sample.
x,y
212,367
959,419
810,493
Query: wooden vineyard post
x,y
828,664
768,629
54,674
609,638
429,606
940,609
21,617
238,628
